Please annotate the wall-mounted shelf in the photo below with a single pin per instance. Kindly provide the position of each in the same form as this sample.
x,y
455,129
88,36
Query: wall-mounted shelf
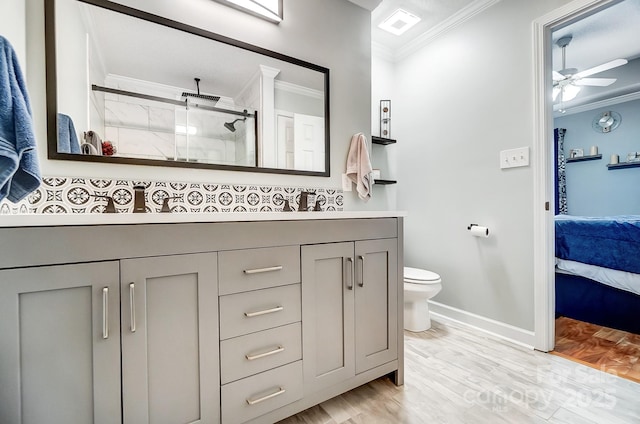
x,y
584,158
381,140
623,165
385,182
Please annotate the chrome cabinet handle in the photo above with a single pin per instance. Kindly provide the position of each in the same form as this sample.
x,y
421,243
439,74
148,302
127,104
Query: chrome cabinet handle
x,y
350,274
280,391
105,312
253,357
361,283
264,312
132,306
261,270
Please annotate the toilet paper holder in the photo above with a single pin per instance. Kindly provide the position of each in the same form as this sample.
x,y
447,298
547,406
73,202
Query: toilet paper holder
x,y
479,231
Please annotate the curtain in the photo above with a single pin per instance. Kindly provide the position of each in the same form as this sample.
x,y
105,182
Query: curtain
x,y
561,177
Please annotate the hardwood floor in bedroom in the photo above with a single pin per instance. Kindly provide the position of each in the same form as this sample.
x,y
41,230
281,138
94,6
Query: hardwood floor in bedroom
x,y
455,374
604,348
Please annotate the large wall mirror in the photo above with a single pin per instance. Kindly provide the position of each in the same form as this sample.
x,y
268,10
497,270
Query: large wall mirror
x,y
126,86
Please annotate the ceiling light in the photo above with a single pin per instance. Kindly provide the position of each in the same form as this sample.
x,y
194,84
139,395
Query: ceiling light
x,y
270,10
569,92
399,22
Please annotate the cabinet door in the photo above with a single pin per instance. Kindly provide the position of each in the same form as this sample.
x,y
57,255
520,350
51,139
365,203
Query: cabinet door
x,y
376,303
170,340
60,344
327,314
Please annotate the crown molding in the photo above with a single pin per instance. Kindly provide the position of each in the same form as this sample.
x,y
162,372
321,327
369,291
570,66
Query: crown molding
x,y
382,51
298,89
597,105
448,24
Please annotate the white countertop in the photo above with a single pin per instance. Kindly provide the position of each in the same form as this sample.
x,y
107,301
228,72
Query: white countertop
x,y
54,220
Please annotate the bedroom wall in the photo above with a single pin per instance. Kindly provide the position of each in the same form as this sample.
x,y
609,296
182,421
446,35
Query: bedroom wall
x,y
458,102
593,190
345,50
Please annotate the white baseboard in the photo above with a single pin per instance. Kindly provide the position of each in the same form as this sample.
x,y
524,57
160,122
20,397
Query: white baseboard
x,y
499,329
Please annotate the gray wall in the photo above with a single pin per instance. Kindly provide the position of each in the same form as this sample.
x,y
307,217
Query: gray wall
x,y
12,27
345,50
592,189
458,102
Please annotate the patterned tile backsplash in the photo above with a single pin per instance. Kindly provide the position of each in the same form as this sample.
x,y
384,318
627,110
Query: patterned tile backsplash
x,y
76,195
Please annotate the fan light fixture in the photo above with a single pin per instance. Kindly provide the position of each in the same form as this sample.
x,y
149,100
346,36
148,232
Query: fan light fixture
x,y
567,82
399,22
271,10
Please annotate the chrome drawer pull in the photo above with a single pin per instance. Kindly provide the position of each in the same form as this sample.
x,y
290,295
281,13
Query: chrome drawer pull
x,y
132,306
266,311
350,274
105,312
261,270
361,284
254,356
267,397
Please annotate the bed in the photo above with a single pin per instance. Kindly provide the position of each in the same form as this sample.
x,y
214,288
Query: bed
x,y
598,270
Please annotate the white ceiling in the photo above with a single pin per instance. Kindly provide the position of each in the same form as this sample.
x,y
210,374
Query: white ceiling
x,y
608,34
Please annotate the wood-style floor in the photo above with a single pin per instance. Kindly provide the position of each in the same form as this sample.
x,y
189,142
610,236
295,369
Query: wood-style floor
x,y
454,374
604,348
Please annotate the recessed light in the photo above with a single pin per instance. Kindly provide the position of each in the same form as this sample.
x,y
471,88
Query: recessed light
x,y
399,22
270,10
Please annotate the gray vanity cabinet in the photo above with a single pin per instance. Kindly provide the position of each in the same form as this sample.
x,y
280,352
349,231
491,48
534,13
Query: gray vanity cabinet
x,y
349,298
60,344
170,339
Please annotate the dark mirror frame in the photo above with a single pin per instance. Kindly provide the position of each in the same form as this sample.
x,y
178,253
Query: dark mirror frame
x,y
52,92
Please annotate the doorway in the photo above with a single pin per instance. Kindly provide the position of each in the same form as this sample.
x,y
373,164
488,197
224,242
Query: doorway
x,y
544,167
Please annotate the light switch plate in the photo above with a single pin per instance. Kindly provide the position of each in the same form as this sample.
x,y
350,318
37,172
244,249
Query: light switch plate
x,y
513,158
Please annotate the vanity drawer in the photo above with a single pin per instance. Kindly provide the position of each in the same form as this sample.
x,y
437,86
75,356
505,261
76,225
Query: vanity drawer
x,y
252,269
245,313
247,355
251,397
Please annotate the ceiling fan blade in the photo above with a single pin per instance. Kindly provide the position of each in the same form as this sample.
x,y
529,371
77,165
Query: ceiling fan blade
x,y
600,68
596,82
557,76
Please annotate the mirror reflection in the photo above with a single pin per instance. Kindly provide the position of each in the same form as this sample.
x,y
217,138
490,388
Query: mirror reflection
x,y
144,89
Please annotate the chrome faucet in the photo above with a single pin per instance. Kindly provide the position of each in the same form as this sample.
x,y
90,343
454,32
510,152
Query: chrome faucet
x,y
111,207
138,199
304,200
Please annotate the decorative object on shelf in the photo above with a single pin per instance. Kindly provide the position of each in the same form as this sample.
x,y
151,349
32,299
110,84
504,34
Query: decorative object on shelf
x,y
385,118
376,174
593,150
633,157
606,122
614,160
576,153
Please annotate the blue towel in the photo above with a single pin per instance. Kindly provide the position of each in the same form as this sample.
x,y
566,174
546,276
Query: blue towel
x,y
19,169
67,138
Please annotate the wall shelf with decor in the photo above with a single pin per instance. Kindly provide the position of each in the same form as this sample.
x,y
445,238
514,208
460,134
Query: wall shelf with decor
x,y
382,141
385,182
621,165
584,158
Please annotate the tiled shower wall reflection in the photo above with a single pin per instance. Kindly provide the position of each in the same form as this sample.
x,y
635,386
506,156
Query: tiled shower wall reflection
x,y
75,196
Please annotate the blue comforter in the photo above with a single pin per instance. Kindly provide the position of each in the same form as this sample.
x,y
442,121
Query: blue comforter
x,y
610,242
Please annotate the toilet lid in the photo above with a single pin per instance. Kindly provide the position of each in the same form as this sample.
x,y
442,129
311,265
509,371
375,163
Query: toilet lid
x,y
419,276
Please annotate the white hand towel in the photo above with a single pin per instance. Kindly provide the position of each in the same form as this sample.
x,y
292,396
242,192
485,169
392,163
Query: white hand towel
x,y
359,166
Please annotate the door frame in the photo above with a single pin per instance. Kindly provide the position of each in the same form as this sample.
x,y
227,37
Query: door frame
x,y
543,193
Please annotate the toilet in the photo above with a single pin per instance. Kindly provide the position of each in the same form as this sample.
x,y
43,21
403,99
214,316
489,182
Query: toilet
x,y
420,285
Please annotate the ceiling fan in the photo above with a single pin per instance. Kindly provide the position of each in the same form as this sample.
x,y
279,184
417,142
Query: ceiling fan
x,y
567,81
